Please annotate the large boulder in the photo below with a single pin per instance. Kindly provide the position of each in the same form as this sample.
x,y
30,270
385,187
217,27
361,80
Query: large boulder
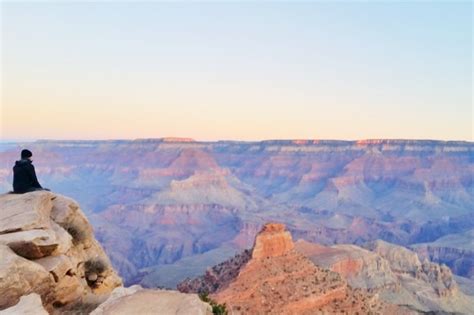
x,y
136,300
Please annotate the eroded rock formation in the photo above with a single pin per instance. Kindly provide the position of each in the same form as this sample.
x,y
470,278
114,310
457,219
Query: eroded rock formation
x,y
48,247
279,280
211,195
395,273
52,264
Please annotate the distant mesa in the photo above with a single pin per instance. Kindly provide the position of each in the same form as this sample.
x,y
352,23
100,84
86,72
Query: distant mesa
x,y
177,139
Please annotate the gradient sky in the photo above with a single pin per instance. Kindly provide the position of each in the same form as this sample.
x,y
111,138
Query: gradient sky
x,y
247,71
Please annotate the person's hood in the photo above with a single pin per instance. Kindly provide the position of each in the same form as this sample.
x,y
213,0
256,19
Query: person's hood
x,y
23,162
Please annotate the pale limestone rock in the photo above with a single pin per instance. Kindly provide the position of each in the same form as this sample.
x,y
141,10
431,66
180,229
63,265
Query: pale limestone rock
x,y
38,243
63,238
58,266
19,276
25,212
43,226
68,289
29,305
400,258
31,244
67,213
145,302
397,276
116,294
64,209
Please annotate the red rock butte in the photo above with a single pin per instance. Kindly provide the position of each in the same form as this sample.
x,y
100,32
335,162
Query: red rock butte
x,y
272,241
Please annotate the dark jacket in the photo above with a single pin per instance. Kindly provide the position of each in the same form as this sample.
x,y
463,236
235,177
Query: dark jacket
x,y
24,177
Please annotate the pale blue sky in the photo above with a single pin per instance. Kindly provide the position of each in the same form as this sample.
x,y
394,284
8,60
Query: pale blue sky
x,y
243,70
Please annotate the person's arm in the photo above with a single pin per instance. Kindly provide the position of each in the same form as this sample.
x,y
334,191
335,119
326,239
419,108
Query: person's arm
x,y
34,178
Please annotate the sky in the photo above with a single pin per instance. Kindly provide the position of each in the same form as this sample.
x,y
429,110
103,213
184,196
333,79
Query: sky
x,y
236,70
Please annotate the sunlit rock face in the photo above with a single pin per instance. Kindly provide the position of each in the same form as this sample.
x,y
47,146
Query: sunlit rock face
x,y
391,277
156,202
273,240
47,247
277,279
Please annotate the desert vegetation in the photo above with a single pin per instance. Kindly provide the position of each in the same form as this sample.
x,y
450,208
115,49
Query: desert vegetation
x,y
217,309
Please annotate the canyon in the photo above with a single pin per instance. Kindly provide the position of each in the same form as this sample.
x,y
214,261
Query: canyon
x,y
160,205
52,264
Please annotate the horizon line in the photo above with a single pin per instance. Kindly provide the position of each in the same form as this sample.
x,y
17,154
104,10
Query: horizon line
x,y
192,140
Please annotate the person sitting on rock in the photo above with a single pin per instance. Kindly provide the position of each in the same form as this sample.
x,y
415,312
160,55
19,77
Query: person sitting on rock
x,y
24,175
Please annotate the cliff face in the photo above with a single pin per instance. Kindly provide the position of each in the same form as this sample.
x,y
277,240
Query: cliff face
x,y
395,273
218,276
461,261
277,279
454,250
48,247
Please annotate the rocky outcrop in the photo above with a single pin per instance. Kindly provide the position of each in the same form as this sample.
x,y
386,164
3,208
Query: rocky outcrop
x,y
48,247
28,305
136,300
20,276
25,212
454,250
360,267
405,261
461,261
394,273
279,280
52,264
